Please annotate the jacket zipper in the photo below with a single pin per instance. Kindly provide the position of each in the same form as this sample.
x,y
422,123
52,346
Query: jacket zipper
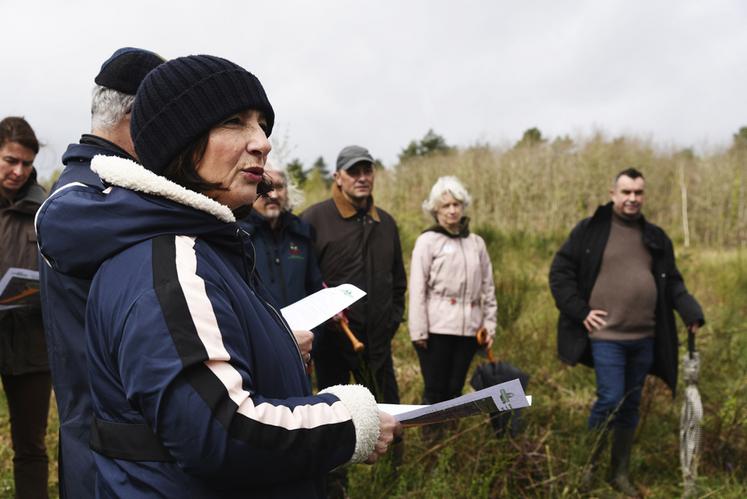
x,y
464,288
240,232
287,329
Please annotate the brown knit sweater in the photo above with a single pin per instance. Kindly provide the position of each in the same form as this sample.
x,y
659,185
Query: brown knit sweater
x,y
625,287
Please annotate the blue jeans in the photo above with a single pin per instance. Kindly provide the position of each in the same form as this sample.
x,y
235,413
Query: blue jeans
x,y
621,368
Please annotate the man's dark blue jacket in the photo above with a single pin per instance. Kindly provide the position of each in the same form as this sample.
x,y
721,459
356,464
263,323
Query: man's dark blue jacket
x,y
285,257
63,308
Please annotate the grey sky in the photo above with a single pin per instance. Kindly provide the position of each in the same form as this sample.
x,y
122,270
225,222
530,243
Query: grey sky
x,y
381,73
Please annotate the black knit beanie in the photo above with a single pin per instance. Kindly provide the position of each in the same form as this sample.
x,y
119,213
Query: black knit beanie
x,y
183,98
126,68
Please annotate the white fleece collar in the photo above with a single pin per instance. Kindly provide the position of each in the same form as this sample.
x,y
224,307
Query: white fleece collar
x,y
125,173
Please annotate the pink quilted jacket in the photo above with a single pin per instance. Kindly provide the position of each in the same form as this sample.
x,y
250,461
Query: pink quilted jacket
x,y
451,286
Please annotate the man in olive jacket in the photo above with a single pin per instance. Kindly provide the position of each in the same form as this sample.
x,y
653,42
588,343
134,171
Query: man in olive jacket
x,y
357,242
616,285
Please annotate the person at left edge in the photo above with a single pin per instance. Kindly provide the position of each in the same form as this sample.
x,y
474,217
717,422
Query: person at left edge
x,y
64,297
198,386
23,353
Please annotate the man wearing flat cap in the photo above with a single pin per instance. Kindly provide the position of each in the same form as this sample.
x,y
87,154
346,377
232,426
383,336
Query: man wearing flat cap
x,y
64,297
358,243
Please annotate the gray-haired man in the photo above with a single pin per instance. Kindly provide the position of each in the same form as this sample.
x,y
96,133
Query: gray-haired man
x,y
64,297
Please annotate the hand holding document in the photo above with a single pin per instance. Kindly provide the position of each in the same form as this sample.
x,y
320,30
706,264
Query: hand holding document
x,y
321,306
501,397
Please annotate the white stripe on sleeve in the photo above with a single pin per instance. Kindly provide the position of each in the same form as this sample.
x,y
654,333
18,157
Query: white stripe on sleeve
x,y
206,324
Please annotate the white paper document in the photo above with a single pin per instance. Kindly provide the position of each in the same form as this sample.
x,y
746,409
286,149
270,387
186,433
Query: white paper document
x,y
497,398
396,409
321,306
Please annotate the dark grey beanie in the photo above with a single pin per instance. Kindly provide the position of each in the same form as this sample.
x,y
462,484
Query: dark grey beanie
x,y
183,98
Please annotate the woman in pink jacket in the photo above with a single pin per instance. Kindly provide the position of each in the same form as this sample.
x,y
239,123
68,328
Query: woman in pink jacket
x,y
452,294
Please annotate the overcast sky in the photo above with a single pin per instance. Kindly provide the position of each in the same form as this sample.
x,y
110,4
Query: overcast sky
x,y
381,73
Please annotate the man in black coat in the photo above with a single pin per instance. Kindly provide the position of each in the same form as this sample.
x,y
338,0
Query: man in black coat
x,y
616,285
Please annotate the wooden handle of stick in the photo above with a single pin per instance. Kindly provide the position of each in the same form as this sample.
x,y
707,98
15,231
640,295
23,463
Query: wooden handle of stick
x,y
23,294
482,339
358,346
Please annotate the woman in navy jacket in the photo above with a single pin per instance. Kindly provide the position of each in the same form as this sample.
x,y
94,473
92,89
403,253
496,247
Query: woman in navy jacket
x,y
198,385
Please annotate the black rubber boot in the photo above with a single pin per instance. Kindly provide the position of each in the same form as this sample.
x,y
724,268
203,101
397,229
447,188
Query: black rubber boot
x,y
619,478
598,446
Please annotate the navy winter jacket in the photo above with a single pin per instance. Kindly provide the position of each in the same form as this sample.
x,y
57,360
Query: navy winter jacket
x,y
181,348
285,257
63,308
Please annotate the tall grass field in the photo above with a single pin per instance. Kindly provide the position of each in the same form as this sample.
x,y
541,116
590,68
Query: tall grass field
x,y
526,200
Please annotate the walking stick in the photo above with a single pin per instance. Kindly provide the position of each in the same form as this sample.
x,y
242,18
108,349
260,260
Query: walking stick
x,y
357,345
23,294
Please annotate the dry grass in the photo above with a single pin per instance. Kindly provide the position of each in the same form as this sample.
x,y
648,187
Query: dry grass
x,y
526,201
